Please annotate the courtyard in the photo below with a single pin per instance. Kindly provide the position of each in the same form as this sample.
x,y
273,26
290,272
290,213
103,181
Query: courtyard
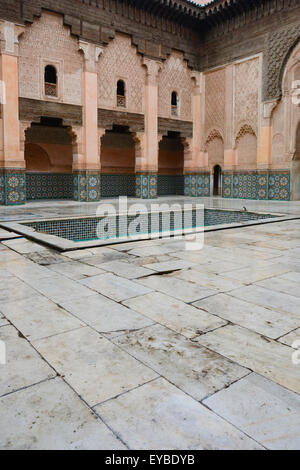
x,y
145,345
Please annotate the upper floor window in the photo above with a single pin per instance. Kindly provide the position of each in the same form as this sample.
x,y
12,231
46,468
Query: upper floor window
x,y
121,97
174,104
50,81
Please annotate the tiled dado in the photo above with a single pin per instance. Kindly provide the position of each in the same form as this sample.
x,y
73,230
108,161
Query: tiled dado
x,y
42,186
257,185
146,186
87,186
116,185
168,185
12,187
197,185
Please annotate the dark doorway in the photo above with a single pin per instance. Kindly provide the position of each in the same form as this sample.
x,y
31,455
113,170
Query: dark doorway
x,y
217,180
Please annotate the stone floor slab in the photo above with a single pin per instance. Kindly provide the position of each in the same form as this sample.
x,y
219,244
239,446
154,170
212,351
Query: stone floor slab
x,y
106,316
127,270
37,317
209,280
182,290
75,270
261,409
58,287
254,274
23,366
50,416
174,314
167,266
269,299
95,368
194,369
264,356
292,339
160,416
279,284
262,320
23,246
115,287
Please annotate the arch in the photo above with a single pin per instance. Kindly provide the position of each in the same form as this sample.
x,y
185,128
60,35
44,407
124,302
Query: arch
x,y
246,146
214,147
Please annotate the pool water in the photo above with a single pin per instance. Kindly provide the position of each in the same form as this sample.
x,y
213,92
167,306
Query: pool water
x,y
118,226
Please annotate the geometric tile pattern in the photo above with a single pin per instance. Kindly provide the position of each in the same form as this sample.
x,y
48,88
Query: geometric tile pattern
x,y
261,185
197,185
146,186
41,186
117,185
12,187
87,186
170,185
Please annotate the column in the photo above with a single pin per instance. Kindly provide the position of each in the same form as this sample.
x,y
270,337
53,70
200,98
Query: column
x,y
147,167
265,135
12,163
87,180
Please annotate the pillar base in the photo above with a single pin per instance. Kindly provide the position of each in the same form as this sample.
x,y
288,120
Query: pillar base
x,y
12,187
197,185
146,186
87,186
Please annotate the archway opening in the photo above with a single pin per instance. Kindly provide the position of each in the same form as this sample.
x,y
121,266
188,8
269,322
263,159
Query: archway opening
x,y
118,163
217,183
170,165
49,158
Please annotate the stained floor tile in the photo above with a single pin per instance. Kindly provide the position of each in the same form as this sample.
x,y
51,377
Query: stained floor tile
x,y
106,316
50,416
263,410
262,320
174,314
264,356
115,287
23,366
160,416
194,369
95,368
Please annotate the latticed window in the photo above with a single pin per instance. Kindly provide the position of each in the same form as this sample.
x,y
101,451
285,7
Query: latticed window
x,y
174,104
121,98
50,81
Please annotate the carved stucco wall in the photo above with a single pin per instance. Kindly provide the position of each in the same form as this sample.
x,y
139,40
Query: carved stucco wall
x,y
214,103
246,99
121,61
175,76
46,40
278,46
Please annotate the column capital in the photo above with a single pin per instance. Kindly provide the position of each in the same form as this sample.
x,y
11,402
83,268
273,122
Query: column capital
x,y
198,81
91,53
9,37
153,67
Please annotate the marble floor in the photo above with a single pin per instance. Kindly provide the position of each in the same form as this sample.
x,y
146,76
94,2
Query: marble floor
x,y
147,346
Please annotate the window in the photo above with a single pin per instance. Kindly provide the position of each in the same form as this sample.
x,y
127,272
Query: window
x,y
174,104
121,98
50,81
